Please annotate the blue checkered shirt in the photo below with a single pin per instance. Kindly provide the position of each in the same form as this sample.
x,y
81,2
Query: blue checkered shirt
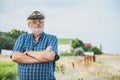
x,y
40,71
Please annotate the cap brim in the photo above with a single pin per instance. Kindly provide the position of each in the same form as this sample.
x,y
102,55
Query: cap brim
x,y
35,17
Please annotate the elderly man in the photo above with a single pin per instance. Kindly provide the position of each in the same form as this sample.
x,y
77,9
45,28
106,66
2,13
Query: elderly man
x,y
36,53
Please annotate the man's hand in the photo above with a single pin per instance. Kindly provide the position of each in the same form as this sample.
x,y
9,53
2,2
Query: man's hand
x,y
43,56
33,57
49,48
49,53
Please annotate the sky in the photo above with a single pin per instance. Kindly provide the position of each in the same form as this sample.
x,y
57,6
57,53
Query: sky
x,y
92,21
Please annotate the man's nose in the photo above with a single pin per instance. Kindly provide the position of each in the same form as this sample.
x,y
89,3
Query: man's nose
x,y
37,22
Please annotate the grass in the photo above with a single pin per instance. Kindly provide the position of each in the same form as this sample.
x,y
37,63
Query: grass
x,y
95,71
92,73
65,71
66,54
8,71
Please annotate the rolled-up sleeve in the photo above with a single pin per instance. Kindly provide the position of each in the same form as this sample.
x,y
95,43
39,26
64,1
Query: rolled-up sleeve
x,y
53,41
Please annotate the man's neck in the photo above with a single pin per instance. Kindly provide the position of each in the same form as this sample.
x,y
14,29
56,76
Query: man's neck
x,y
36,36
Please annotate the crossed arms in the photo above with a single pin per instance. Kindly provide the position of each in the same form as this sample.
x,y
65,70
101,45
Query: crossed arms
x,y
33,57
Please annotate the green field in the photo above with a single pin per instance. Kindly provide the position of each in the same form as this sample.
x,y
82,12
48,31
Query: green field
x,y
63,41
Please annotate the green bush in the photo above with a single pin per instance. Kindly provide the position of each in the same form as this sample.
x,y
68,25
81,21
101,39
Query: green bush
x,y
78,51
66,54
95,50
8,71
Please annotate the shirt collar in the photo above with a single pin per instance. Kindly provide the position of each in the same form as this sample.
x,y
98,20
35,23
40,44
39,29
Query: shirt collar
x,y
32,35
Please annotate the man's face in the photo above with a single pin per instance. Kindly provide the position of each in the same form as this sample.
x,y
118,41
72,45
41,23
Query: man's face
x,y
36,26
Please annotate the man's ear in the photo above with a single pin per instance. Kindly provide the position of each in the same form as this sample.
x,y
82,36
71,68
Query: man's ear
x,y
28,24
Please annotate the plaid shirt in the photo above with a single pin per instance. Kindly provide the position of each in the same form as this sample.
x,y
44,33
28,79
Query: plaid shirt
x,y
40,71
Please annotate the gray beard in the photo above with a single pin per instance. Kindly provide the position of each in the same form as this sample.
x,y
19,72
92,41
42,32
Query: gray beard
x,y
37,31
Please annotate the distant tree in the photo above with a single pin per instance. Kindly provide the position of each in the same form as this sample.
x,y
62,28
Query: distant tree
x,y
95,50
85,48
77,43
5,34
15,33
6,43
7,39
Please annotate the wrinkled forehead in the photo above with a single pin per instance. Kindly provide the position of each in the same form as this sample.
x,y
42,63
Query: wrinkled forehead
x,y
41,20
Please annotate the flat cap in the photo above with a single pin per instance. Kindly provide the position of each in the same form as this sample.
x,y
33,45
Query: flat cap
x,y
36,15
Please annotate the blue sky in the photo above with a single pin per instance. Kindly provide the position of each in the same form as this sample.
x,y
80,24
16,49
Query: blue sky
x,y
93,21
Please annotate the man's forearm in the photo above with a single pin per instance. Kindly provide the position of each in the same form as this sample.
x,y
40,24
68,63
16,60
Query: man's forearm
x,y
42,56
19,57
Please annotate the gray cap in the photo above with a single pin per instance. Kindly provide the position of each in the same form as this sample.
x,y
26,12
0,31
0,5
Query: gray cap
x,y
36,15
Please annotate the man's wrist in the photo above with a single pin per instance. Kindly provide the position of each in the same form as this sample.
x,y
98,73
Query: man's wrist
x,y
26,53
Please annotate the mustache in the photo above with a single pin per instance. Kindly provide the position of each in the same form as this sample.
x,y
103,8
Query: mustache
x,y
37,31
41,26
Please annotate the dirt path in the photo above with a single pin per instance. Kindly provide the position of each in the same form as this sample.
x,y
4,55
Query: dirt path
x,y
5,58
113,61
